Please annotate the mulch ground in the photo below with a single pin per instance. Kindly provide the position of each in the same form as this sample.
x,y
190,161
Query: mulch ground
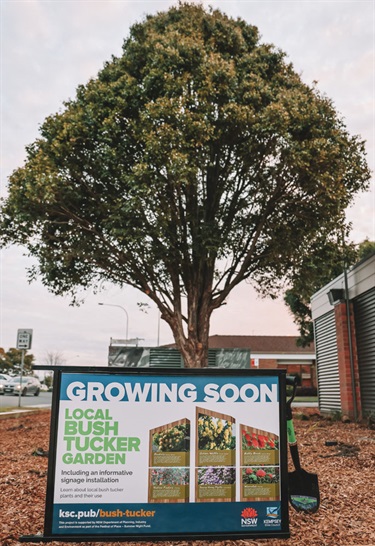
x,y
346,516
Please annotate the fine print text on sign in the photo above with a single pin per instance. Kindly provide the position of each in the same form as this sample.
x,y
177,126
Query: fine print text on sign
x,y
167,454
24,339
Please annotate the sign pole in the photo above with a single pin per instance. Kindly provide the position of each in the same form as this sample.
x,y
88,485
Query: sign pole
x,y
24,339
21,375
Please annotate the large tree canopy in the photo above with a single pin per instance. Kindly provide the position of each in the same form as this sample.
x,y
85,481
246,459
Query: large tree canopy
x,y
194,161
11,362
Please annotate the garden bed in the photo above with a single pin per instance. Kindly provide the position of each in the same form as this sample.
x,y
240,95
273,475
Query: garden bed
x,y
346,474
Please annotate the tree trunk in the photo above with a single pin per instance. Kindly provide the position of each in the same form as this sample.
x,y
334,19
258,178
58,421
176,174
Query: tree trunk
x,y
193,346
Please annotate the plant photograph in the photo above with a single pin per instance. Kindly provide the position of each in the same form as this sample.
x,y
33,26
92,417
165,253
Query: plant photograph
x,y
215,433
170,476
257,475
176,438
258,441
216,475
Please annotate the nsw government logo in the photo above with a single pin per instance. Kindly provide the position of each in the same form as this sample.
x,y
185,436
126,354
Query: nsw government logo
x,y
272,516
249,517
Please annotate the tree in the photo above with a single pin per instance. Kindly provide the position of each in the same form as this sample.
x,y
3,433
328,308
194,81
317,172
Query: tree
x,y
10,361
334,255
48,380
3,366
196,160
54,358
366,249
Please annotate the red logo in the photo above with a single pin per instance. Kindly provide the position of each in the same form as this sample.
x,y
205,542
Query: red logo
x,y
249,513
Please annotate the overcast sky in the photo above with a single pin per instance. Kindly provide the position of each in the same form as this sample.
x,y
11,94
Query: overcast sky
x,y
48,48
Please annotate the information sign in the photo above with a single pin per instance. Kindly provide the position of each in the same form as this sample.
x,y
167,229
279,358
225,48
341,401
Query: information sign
x,y
162,454
24,339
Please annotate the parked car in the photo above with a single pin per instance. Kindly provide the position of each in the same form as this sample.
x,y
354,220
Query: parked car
x,y
29,385
3,379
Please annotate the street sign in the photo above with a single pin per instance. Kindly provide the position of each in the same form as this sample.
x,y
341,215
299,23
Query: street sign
x,y
24,338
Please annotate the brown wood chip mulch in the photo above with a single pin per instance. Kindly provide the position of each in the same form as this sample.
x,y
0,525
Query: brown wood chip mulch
x,y
346,471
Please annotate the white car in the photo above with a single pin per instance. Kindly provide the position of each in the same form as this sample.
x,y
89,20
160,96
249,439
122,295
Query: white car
x,y
3,379
28,385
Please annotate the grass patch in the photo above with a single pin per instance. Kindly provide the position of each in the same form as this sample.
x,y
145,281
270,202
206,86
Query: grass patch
x,y
7,408
4,409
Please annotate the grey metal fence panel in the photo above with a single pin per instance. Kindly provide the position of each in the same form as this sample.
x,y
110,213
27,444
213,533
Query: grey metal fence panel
x,y
170,357
165,358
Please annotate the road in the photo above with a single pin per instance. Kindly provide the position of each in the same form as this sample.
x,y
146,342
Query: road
x,y
11,401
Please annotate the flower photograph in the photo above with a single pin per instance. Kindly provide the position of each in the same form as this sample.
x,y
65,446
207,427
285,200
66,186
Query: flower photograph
x,y
215,433
258,475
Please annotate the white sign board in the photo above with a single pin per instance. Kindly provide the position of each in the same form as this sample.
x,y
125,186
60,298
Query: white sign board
x,y
24,338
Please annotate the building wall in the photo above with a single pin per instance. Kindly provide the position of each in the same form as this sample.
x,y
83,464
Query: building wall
x,y
306,371
360,281
267,363
348,361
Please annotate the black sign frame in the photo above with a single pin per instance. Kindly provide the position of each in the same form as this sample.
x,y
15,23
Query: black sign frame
x,y
223,375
